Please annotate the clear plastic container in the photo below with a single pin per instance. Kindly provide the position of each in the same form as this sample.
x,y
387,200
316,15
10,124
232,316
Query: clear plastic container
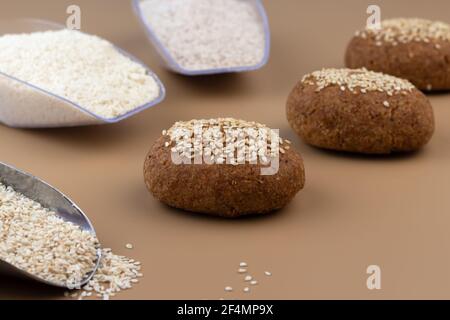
x,y
170,63
24,105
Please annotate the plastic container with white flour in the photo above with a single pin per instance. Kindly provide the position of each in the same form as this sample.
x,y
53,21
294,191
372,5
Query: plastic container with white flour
x,y
200,37
37,95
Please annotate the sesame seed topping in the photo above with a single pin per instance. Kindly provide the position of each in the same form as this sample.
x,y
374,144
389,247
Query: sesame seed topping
x,y
267,273
243,264
405,30
224,140
386,104
246,289
129,246
253,282
357,80
242,270
248,278
228,289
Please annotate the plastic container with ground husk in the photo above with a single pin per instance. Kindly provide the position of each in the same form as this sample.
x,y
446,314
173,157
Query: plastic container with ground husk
x,y
25,105
170,62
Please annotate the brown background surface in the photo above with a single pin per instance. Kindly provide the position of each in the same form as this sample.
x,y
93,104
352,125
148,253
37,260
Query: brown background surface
x,y
355,211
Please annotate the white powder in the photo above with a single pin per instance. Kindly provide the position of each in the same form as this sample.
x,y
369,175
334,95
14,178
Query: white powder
x,y
208,34
82,68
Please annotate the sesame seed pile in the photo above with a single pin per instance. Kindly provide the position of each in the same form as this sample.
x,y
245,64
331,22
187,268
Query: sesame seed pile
x,y
36,240
358,80
85,69
404,30
225,140
115,273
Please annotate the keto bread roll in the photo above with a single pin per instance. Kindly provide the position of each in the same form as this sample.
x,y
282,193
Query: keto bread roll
x,y
218,185
356,110
413,49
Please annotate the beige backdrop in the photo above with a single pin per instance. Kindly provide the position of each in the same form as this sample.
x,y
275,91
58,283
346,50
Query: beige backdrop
x,y
355,211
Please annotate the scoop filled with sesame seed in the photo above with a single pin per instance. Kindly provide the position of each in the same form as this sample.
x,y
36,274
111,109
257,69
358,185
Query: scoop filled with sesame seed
x,y
44,236
410,48
357,110
224,167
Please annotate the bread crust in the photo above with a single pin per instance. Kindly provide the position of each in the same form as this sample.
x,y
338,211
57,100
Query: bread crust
x,y
425,64
221,189
356,122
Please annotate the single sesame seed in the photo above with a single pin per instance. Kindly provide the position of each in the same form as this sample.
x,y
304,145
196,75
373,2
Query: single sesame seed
x,y
253,282
129,246
243,264
386,104
248,278
242,270
267,273
246,289
228,289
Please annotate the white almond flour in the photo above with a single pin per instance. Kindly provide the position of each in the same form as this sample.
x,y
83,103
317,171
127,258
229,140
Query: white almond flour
x,y
208,34
36,240
81,68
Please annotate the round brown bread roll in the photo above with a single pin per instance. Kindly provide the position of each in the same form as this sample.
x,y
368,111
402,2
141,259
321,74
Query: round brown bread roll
x,y
361,111
413,49
227,187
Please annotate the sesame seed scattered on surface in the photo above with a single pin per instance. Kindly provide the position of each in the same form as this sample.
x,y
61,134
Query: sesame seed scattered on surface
x,y
246,289
248,278
129,246
228,289
253,282
406,30
242,270
357,80
386,104
267,273
243,264
115,273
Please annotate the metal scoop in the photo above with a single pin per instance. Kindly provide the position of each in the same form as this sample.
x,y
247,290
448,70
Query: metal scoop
x,y
52,199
